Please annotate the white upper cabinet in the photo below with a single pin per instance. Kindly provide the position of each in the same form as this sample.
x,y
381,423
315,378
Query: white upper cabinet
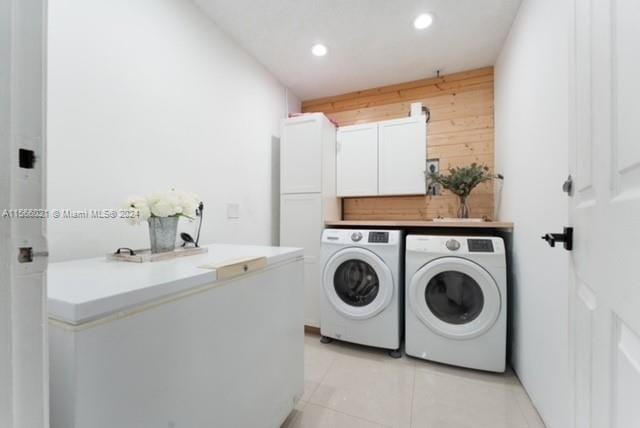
x,y
301,155
357,160
382,158
402,154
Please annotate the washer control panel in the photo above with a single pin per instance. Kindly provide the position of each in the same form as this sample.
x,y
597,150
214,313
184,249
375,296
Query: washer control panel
x,y
379,237
480,245
361,237
453,244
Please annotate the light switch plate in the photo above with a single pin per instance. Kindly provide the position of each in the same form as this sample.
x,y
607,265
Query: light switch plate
x,y
433,166
233,210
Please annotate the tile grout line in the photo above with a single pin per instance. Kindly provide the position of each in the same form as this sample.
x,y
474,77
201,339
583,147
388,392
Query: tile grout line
x,y
337,355
413,395
513,388
530,401
524,414
350,415
503,388
333,361
506,386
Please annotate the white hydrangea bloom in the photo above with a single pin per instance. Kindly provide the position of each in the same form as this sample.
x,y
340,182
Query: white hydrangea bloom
x,y
140,208
163,204
143,212
189,203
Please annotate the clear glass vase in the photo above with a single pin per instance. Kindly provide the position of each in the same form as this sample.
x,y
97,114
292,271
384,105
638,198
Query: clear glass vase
x,y
162,233
463,208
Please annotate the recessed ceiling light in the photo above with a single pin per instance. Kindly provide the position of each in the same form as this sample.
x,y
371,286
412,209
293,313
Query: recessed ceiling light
x,y
319,50
423,21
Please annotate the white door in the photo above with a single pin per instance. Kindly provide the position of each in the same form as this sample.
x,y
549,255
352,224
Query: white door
x,y
24,386
357,160
301,226
605,211
402,154
301,155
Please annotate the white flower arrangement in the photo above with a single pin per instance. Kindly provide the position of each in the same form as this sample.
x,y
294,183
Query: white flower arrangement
x,y
165,204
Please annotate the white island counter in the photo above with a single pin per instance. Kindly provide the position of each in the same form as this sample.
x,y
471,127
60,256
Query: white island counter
x,y
168,344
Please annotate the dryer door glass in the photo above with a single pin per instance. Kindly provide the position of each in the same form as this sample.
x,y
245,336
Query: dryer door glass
x,y
356,282
454,297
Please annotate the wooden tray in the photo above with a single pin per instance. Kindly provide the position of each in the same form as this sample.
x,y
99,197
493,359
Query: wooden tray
x,y
144,255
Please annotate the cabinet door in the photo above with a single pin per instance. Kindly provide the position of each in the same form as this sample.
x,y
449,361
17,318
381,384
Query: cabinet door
x,y
312,290
357,160
402,152
301,226
301,155
301,223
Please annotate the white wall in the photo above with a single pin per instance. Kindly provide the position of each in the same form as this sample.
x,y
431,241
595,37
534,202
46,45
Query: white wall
x,y
148,95
531,101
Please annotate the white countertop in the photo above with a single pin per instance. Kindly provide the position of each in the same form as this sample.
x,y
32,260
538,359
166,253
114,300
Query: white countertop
x,y
86,289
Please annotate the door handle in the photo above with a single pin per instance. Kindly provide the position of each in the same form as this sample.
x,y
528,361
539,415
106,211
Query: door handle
x,y
27,254
566,238
567,186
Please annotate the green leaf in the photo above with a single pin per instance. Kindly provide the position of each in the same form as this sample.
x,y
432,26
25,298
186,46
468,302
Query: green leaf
x,y
462,180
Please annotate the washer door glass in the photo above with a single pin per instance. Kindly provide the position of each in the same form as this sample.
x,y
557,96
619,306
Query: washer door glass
x,y
356,282
454,297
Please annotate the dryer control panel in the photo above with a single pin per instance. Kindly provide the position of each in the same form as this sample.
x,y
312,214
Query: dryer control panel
x,y
458,245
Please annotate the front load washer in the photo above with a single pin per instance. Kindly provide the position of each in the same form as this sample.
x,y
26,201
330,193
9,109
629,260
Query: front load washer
x,y
362,287
456,297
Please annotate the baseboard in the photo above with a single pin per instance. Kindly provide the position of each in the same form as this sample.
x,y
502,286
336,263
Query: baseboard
x,y
311,330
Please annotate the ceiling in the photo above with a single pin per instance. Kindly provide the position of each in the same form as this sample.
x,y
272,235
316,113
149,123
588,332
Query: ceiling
x,y
371,42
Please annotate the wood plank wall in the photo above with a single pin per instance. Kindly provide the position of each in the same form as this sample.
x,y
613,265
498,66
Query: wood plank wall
x,y
461,131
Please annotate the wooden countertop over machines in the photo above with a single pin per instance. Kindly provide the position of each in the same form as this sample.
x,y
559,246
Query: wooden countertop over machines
x,y
507,226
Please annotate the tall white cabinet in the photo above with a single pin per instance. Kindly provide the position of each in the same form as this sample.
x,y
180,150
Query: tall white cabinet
x,y
308,195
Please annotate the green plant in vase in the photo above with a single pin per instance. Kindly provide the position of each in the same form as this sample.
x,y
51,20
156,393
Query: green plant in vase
x,y
461,181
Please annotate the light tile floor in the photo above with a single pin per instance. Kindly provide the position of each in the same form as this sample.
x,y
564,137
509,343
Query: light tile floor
x,y
348,386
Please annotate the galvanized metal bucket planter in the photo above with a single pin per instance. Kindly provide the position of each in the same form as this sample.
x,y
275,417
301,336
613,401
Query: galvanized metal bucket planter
x,y
162,233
